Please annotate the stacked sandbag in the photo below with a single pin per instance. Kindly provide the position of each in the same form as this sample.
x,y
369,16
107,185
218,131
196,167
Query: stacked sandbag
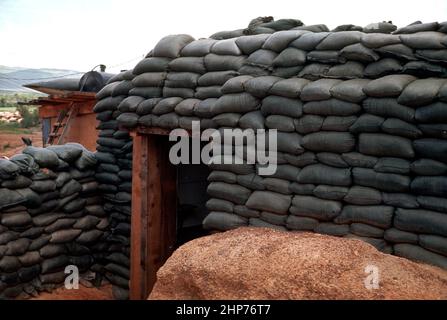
x,y
419,226
121,99
50,217
360,120
266,25
145,96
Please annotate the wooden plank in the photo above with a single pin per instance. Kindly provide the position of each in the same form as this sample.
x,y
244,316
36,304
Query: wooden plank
x,y
159,131
84,130
139,201
53,99
82,95
154,212
145,167
49,111
169,214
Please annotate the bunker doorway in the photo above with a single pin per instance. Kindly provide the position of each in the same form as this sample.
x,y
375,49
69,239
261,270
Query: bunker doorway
x,y
168,206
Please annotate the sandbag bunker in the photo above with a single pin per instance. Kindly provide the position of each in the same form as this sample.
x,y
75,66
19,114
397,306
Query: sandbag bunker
x,y
361,124
361,120
51,216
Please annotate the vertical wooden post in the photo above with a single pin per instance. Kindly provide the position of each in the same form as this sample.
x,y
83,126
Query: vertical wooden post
x,y
153,211
139,201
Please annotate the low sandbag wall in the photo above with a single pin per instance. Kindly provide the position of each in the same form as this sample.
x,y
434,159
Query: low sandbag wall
x,y
361,120
51,216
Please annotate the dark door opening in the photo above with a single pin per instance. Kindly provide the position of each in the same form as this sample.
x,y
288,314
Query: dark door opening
x,y
191,201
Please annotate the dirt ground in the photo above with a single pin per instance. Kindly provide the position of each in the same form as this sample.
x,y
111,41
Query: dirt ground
x,y
83,293
11,142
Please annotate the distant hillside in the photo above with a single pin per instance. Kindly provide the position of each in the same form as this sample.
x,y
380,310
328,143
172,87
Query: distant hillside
x,y
12,78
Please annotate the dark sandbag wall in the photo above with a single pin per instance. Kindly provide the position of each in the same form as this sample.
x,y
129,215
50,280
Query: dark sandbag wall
x,y
361,119
114,177
51,216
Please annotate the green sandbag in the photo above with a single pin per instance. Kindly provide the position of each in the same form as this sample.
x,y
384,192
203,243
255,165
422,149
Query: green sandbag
x,y
66,152
389,182
419,254
45,158
421,221
398,236
8,169
339,142
26,163
230,192
384,145
323,210
269,201
301,223
322,174
220,205
379,216
434,243
223,221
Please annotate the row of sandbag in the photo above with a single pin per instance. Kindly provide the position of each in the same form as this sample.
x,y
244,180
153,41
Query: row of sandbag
x,y
114,175
396,96
304,200
180,66
367,185
421,182
50,217
207,64
269,25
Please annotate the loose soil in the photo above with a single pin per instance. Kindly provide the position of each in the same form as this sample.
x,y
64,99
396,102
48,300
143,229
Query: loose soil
x,y
11,142
83,293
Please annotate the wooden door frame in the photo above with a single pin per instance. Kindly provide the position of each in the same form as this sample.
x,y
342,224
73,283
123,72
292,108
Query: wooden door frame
x,y
154,211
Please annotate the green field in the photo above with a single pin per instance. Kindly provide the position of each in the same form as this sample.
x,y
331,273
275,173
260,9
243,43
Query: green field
x,y
10,109
13,128
15,101
10,101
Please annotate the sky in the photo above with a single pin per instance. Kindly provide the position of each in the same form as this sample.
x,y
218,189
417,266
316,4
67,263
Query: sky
x,y
81,34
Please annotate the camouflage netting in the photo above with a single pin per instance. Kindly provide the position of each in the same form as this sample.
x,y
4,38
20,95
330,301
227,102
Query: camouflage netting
x,y
361,116
51,216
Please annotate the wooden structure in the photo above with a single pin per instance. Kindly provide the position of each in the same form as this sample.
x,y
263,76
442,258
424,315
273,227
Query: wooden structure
x,y
154,208
78,124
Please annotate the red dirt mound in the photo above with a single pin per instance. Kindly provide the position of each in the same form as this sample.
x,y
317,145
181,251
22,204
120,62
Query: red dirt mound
x,y
255,263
